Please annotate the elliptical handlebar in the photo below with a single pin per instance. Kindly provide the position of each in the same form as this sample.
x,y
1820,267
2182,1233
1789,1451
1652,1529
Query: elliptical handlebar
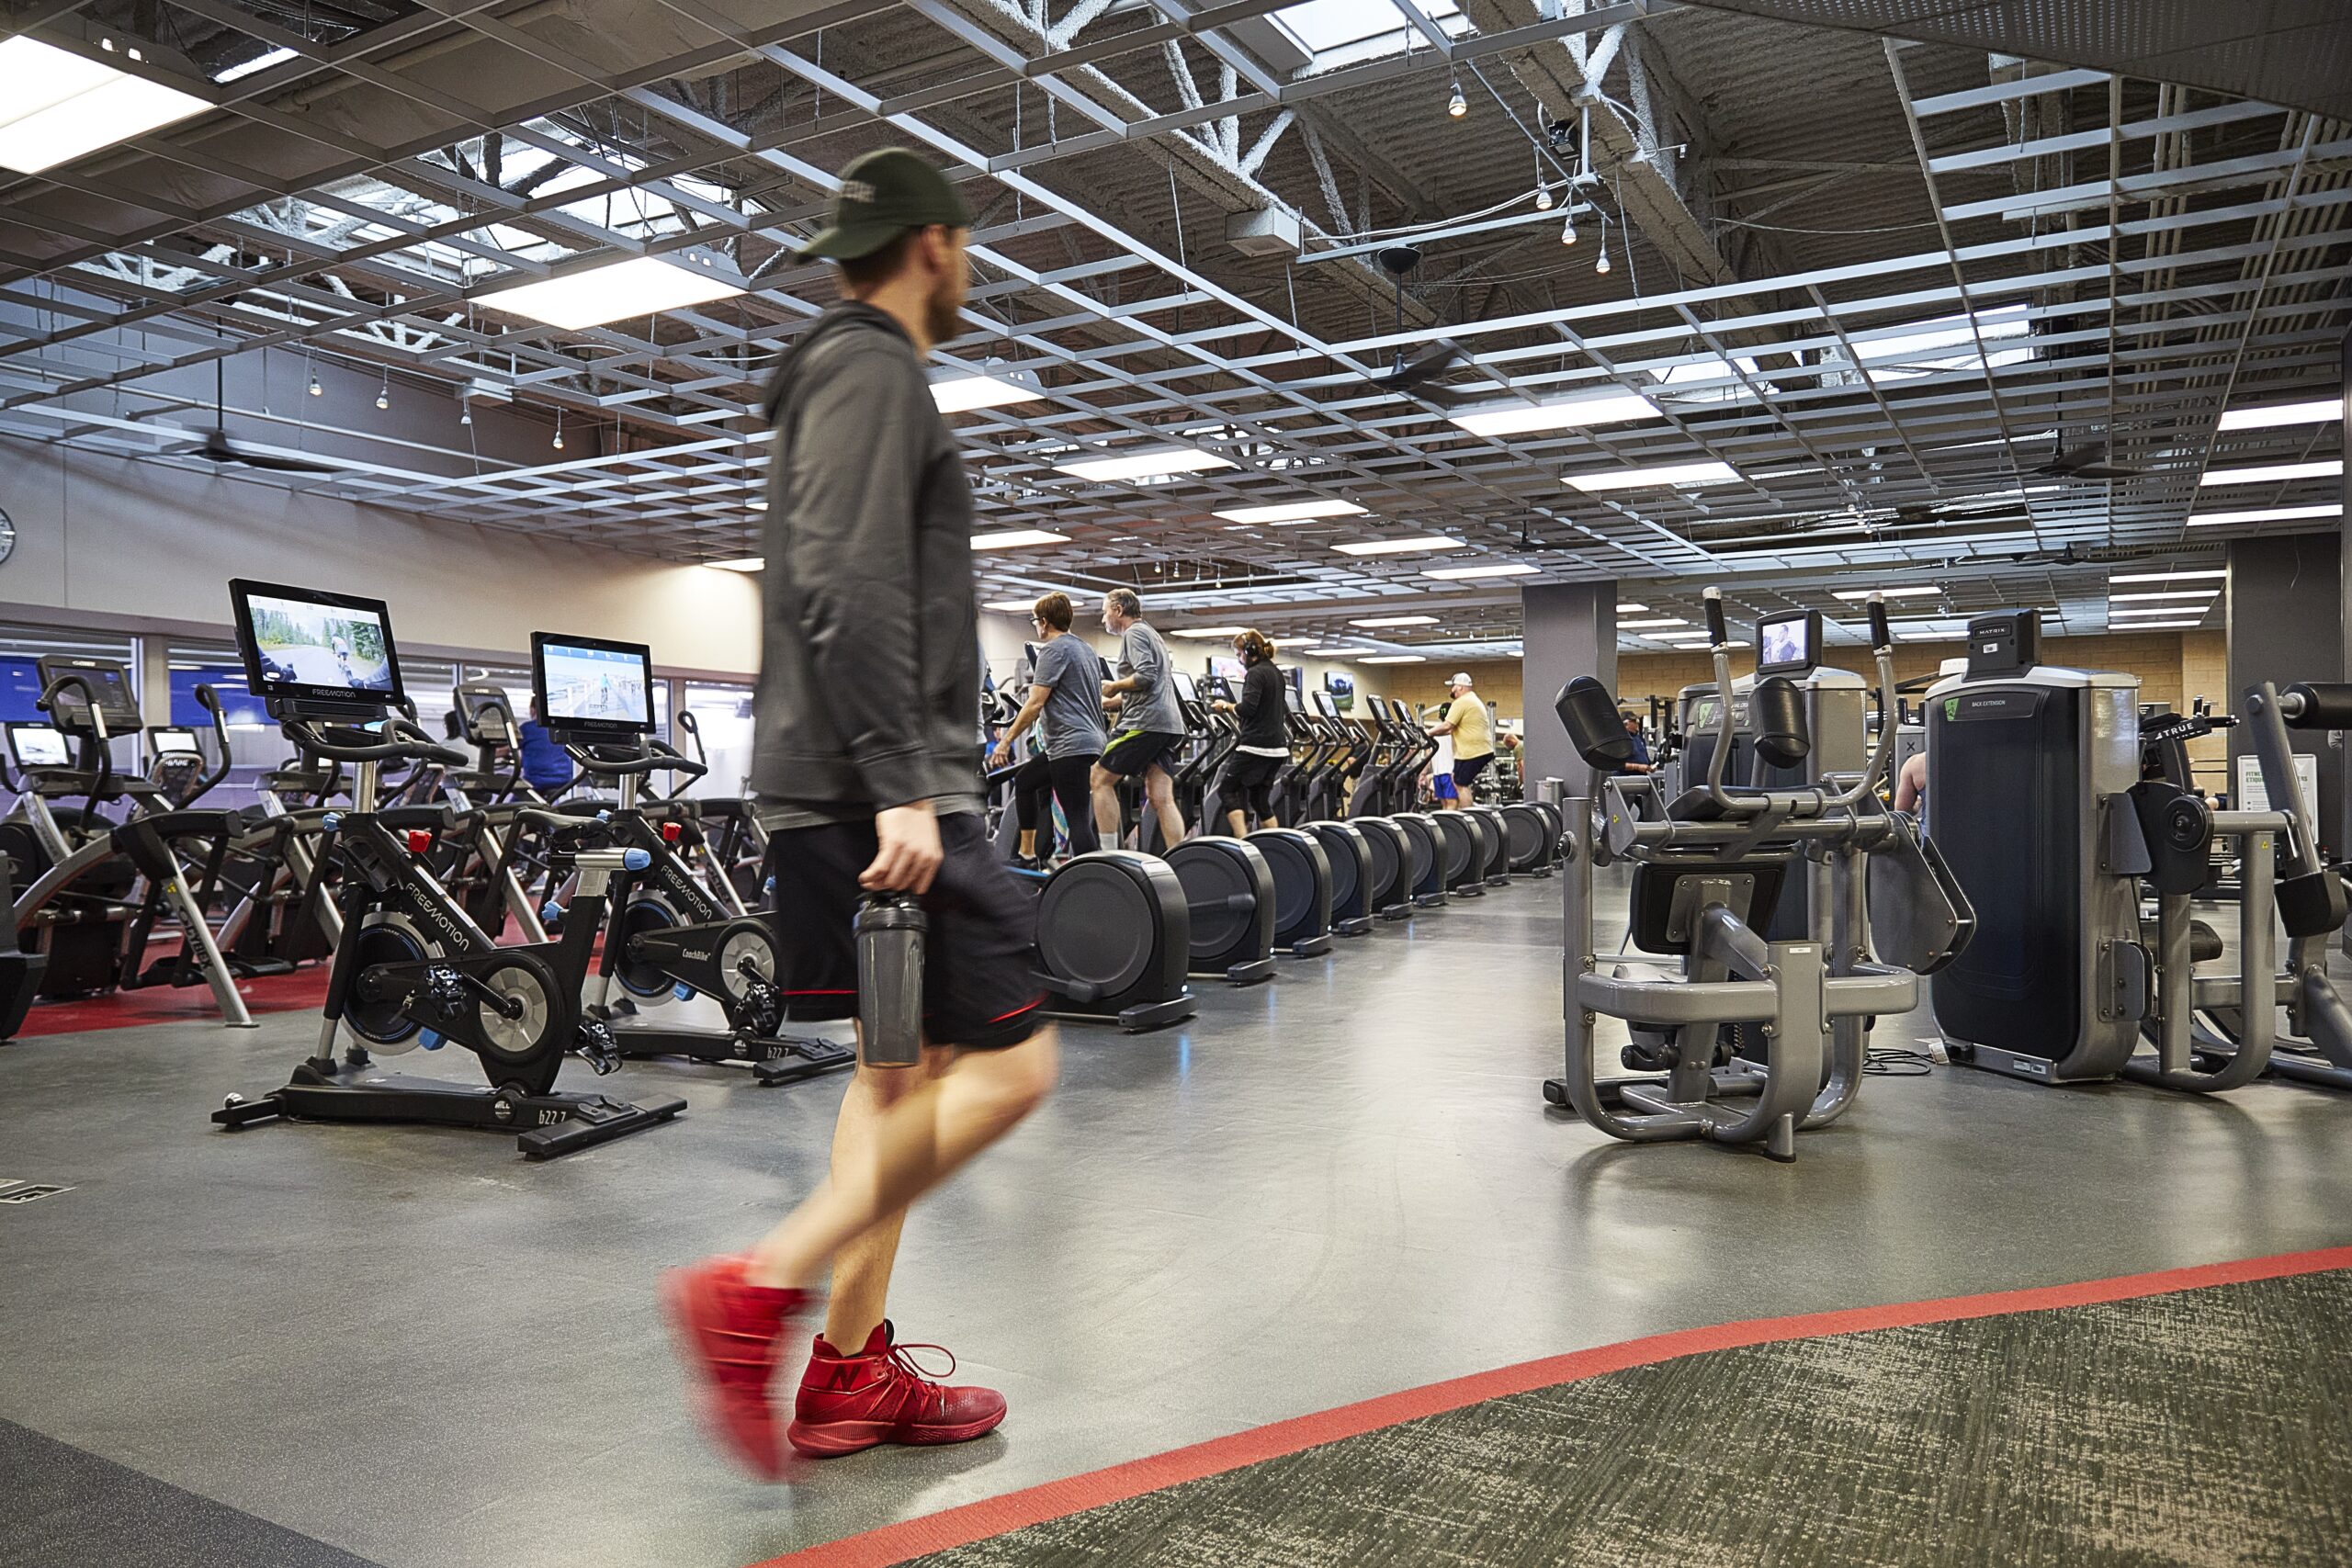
x,y
210,700
1751,803
101,784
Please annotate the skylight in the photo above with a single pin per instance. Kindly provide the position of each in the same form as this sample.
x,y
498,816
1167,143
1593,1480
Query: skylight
x,y
1360,29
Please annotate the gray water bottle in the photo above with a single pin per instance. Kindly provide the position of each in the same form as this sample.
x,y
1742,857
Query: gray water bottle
x,y
890,934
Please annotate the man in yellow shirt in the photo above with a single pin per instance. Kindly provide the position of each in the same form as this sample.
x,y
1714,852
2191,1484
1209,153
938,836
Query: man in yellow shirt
x,y
1474,738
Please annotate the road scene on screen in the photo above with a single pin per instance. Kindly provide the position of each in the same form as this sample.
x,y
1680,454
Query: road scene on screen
x,y
596,684
37,746
320,645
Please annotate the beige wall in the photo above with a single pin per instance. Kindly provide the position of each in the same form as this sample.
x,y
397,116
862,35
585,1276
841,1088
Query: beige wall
x,y
128,546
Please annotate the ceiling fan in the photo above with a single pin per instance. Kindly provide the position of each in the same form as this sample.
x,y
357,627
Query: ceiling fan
x,y
2087,461
1407,374
216,448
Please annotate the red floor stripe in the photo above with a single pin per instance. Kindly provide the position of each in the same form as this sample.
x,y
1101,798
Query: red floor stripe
x,y
1056,1499
303,988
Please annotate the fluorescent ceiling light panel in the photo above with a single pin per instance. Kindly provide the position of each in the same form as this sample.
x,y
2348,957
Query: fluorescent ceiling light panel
x,y
255,66
1334,651
1569,413
1393,658
2159,611
641,286
2165,576
1145,465
1206,631
2177,594
1396,621
1856,595
2283,413
741,563
1660,475
962,394
2265,514
1012,605
1500,568
1013,538
2165,625
2273,473
1399,546
56,106
1660,621
1292,512
1627,607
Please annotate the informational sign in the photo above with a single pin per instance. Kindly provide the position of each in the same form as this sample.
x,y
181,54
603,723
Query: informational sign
x,y
2252,796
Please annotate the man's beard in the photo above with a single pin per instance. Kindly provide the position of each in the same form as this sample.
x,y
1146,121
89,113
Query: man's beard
x,y
943,315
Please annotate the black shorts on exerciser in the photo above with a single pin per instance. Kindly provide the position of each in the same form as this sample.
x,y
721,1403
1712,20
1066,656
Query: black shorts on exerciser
x,y
978,991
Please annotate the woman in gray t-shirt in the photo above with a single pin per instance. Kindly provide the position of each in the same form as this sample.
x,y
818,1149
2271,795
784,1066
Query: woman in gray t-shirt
x,y
1066,694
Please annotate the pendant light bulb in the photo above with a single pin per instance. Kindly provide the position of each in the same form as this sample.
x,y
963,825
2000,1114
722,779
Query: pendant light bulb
x,y
1569,231
1601,265
1457,106
316,391
559,430
384,393
1543,198
465,413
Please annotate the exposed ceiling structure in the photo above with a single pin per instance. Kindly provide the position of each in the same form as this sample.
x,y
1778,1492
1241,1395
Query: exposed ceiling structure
x,y
1874,313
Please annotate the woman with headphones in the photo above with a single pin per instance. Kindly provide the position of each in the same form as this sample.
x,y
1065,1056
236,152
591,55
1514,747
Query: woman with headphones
x,y
1264,745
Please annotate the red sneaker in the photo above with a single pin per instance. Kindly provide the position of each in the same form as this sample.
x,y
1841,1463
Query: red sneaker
x,y
880,1396
730,1331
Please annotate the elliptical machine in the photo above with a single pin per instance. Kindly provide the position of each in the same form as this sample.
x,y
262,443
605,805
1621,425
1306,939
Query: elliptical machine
x,y
411,968
1707,871
667,936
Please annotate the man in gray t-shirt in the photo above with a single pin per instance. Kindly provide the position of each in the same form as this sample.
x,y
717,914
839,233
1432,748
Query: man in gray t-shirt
x,y
1151,726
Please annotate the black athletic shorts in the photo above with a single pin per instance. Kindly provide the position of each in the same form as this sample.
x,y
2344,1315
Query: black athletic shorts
x,y
978,987
1468,769
1133,751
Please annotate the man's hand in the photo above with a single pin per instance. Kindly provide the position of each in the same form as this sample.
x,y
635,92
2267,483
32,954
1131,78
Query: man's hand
x,y
908,854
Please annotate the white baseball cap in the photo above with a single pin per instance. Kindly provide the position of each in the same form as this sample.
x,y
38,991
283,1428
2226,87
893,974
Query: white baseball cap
x,y
1460,680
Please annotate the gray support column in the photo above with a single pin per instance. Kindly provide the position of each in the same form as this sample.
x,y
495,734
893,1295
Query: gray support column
x,y
2285,625
1571,630
151,651
2343,823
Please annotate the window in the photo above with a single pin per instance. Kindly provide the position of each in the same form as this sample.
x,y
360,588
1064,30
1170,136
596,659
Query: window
x,y
1346,32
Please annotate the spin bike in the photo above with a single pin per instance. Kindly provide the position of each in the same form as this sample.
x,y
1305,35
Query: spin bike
x,y
413,970
668,936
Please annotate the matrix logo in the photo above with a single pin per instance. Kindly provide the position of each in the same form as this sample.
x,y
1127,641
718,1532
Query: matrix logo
x,y
1951,708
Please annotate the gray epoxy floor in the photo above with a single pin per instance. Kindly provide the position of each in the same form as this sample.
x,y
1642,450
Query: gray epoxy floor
x,y
415,1346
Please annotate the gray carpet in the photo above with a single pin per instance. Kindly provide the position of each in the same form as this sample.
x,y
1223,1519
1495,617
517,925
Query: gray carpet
x,y
61,1508
2207,1426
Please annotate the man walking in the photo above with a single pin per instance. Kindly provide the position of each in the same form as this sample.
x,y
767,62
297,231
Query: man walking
x,y
1473,730
867,772
1150,726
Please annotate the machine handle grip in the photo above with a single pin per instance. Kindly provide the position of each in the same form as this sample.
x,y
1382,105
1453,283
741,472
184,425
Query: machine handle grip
x,y
210,700
2316,705
1880,636
1718,631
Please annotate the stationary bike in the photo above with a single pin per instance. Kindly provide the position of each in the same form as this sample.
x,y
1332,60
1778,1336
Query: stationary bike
x,y
667,933
411,969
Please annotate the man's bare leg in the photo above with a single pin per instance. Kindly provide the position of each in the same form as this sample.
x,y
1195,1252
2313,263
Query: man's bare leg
x,y
862,1268
1104,786
907,1146
1161,791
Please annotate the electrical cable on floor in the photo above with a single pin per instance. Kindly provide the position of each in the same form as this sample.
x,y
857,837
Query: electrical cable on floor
x,y
1895,1061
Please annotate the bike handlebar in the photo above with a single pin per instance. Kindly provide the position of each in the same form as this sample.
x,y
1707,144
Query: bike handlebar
x,y
400,740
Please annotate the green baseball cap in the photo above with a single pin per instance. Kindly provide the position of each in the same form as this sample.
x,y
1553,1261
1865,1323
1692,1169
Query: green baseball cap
x,y
883,194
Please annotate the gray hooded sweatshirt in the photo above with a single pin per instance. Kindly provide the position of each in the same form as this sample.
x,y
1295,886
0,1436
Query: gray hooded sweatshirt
x,y
869,671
